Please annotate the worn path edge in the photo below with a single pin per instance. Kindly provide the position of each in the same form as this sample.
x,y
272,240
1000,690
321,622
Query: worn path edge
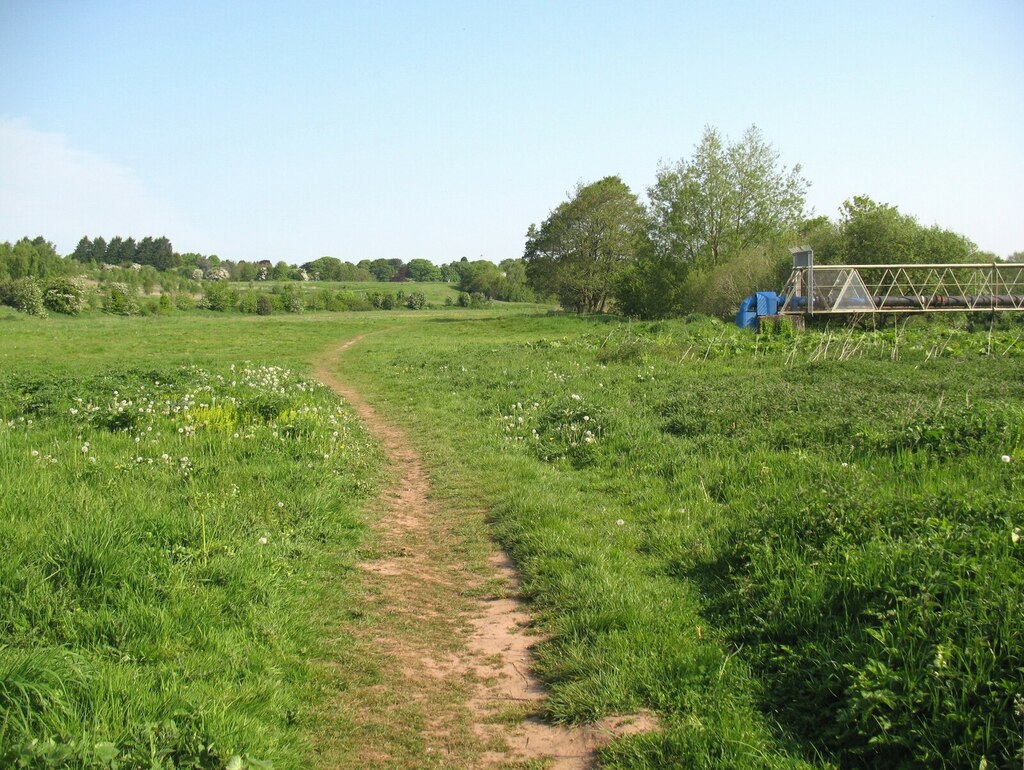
x,y
478,646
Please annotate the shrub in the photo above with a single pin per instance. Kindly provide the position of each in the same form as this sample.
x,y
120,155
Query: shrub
x,y
119,300
219,296
264,305
26,295
247,302
290,298
64,295
356,301
184,301
464,299
416,301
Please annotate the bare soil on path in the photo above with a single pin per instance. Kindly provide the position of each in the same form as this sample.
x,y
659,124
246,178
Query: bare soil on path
x,y
446,635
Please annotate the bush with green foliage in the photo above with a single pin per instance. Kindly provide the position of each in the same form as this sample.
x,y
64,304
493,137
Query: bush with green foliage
x,y
264,305
119,299
289,298
184,301
416,301
247,302
64,295
24,294
219,296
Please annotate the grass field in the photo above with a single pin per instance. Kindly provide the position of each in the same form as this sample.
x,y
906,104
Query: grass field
x,y
796,551
436,292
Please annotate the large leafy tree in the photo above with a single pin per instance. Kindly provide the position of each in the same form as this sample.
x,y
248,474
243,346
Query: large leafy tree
x,y
869,232
579,252
422,270
724,200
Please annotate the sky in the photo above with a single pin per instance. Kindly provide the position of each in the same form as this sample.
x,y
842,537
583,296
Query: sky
x,y
289,131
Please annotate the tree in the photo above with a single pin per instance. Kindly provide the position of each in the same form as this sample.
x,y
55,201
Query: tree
x,y
83,251
481,277
514,285
585,244
876,233
383,269
99,251
727,198
324,269
451,273
422,270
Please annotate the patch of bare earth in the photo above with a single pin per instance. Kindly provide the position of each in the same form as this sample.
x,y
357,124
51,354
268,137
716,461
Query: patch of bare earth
x,y
450,681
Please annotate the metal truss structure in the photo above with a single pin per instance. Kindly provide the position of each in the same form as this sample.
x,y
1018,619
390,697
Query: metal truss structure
x,y
910,288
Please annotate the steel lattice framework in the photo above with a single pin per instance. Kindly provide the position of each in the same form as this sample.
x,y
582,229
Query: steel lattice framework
x,y
909,288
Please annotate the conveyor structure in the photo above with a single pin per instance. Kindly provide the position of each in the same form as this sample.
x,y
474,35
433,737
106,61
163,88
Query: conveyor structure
x,y
817,290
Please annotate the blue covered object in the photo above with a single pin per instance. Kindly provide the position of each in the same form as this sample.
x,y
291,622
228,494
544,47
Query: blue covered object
x,y
746,318
764,303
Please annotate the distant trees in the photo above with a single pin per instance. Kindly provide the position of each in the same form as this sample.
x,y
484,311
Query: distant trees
x,y
333,269
583,247
871,233
34,257
156,252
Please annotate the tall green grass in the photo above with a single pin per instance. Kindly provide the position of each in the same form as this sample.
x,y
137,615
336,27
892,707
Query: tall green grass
x,y
797,549
162,532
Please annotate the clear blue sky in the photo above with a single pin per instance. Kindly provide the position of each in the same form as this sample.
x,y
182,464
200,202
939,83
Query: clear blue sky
x,y
443,129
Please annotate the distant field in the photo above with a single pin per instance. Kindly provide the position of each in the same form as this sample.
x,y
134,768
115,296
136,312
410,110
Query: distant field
x,y
436,292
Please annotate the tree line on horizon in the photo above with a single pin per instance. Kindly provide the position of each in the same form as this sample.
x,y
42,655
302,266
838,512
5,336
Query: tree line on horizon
x,y
39,258
714,228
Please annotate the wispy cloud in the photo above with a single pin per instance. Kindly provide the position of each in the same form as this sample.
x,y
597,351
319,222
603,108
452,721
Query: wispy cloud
x,y
49,187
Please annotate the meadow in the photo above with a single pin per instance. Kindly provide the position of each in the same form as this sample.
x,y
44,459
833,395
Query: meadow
x,y
797,550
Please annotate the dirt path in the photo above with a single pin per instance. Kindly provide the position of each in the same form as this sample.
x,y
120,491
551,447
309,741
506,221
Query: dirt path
x,y
452,642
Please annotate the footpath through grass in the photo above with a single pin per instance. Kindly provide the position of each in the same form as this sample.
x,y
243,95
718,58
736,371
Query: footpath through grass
x,y
182,512
797,551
